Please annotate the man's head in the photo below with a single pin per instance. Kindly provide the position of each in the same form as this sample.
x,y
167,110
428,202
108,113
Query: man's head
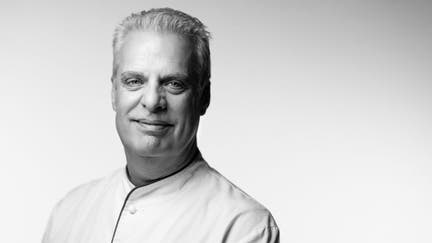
x,y
161,81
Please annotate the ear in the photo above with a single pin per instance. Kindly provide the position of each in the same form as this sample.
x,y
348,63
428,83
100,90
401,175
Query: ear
x,y
205,98
113,94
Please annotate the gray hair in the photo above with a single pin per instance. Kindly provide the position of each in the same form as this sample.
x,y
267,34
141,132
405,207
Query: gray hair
x,y
167,19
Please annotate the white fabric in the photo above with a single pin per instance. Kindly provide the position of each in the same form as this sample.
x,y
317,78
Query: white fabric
x,y
196,204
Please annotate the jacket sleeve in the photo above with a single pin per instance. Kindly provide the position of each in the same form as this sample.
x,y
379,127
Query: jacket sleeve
x,y
254,226
268,234
50,227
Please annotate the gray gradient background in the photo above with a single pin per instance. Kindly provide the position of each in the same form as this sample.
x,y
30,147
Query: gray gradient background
x,y
321,110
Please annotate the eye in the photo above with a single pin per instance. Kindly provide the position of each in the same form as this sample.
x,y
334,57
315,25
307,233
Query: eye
x,y
133,82
175,86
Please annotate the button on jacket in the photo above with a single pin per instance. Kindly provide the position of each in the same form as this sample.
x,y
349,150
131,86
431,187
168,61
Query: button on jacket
x,y
196,204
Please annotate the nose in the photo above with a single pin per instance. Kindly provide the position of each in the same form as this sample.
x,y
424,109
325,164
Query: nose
x,y
153,99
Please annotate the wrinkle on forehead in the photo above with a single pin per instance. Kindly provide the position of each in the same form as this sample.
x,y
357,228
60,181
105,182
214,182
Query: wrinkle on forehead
x,y
154,52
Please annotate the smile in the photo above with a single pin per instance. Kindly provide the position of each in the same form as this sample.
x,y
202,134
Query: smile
x,y
153,127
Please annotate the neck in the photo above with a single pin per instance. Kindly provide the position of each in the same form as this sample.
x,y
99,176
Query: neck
x,y
146,170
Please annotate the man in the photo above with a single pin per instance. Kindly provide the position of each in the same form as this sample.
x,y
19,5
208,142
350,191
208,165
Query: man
x,y
167,192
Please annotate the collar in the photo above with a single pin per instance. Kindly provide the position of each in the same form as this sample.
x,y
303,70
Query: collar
x,y
163,189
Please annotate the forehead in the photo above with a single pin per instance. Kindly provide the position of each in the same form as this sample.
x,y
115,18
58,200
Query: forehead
x,y
153,52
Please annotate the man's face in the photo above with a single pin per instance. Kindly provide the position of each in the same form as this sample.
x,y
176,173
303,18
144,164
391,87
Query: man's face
x,y
156,102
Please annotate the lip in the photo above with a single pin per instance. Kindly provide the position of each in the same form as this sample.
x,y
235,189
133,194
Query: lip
x,y
152,127
152,122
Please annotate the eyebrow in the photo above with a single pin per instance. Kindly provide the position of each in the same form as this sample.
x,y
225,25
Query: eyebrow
x,y
178,76
131,73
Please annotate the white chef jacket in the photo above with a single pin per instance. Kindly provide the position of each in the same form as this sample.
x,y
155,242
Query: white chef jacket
x,y
196,204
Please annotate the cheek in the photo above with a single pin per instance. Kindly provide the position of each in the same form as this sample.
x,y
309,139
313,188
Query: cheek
x,y
126,101
183,109
181,105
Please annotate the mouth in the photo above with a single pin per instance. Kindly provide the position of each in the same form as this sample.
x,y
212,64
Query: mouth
x,y
152,127
152,122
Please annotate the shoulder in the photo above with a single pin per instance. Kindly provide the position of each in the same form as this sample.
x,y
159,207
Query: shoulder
x,y
223,189
85,193
75,202
93,187
246,217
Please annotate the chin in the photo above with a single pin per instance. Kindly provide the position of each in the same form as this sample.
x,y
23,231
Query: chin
x,y
151,152
151,147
